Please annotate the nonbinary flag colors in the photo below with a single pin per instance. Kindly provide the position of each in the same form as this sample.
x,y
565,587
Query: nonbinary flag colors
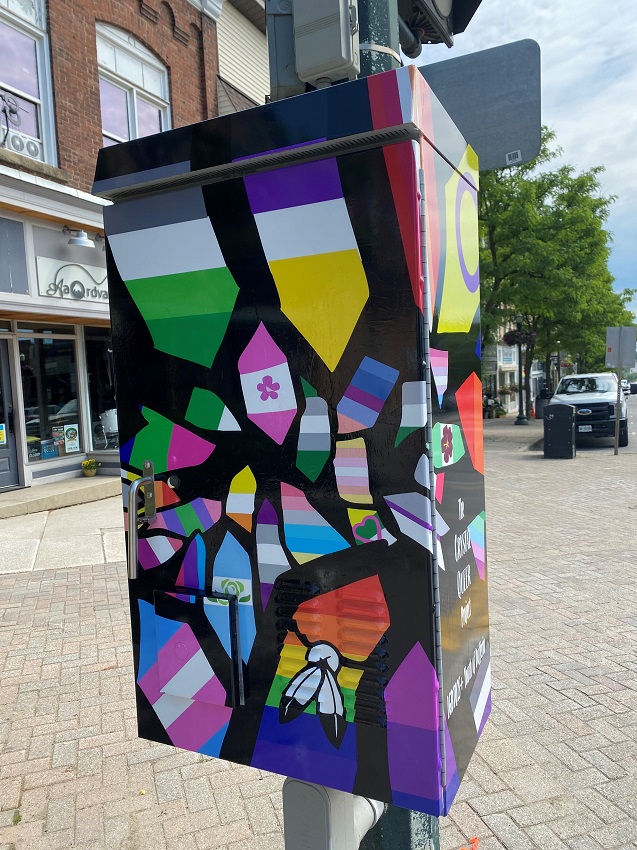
x,y
307,534
352,475
310,246
414,413
267,385
240,501
364,398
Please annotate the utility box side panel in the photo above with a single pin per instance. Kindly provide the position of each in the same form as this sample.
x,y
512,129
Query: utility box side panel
x,y
270,347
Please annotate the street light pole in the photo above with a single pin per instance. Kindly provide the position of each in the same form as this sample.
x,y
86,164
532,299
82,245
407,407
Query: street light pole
x,y
521,419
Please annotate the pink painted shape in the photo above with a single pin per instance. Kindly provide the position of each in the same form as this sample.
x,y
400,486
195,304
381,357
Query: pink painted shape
x,y
478,554
275,425
347,425
261,353
212,692
197,725
187,449
176,652
293,499
214,508
440,486
149,684
146,555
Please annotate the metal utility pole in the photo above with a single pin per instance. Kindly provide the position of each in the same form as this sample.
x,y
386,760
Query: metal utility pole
x,y
379,36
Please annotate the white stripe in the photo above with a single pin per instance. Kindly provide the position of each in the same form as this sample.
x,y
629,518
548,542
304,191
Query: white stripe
x,y
321,228
240,503
485,690
161,547
168,708
191,678
414,530
350,471
285,394
271,553
228,422
315,424
187,246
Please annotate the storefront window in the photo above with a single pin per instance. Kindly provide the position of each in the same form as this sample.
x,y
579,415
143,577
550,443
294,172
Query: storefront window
x,y
101,388
50,390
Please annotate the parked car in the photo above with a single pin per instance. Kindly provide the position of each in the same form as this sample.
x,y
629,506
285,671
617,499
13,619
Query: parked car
x,y
625,387
594,397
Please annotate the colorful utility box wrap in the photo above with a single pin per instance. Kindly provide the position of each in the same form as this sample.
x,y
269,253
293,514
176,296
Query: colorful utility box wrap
x,y
295,313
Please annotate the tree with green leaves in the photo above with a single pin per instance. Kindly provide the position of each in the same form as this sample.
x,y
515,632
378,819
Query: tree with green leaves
x,y
544,256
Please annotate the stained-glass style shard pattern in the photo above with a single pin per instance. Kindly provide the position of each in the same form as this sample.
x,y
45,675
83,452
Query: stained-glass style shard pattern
x,y
412,703
352,474
447,445
309,243
367,527
413,515
240,501
267,385
153,551
439,362
179,683
232,573
414,412
480,697
177,277
171,446
307,534
206,410
365,396
193,568
271,556
469,400
315,441
476,532
198,515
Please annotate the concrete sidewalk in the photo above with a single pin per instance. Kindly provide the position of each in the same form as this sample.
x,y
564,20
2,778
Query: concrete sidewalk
x,y
556,768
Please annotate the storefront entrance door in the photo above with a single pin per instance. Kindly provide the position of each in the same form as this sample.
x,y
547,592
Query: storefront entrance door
x,y
8,456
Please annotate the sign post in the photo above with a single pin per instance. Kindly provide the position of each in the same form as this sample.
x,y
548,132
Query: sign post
x,y
621,347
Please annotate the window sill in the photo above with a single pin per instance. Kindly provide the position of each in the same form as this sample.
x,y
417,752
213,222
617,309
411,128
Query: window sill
x,y
34,166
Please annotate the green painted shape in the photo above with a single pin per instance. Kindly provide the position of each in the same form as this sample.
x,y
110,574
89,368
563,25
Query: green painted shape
x,y
188,519
193,338
280,683
187,314
153,441
311,463
402,433
204,409
368,531
308,389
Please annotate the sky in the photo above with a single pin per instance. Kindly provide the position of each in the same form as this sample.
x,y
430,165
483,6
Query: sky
x,y
589,93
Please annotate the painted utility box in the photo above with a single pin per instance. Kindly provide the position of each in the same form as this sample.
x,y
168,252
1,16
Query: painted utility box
x,y
295,314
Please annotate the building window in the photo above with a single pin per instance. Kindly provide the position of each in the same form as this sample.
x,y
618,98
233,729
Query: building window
x,y
26,112
101,388
50,390
133,88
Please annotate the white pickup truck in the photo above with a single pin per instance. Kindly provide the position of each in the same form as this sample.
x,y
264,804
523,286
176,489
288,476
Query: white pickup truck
x,y
594,397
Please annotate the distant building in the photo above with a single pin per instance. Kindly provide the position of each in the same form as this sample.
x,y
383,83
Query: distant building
x,y
76,75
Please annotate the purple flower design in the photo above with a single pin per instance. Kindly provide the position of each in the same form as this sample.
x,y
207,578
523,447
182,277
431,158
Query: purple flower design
x,y
268,388
446,444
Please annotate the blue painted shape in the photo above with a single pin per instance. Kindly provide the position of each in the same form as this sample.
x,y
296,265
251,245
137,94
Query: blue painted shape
x,y
233,562
165,629
212,747
147,642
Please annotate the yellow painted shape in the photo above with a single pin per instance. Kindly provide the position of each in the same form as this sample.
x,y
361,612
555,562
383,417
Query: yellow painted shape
x,y
348,678
304,557
244,482
458,306
323,296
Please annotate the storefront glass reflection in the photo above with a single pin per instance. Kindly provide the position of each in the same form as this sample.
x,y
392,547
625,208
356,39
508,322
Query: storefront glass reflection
x,y
50,392
101,388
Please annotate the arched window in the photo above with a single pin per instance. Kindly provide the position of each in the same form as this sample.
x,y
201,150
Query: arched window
x,y
133,87
26,110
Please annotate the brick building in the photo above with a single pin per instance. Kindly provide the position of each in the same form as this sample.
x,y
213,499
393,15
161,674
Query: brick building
x,y
76,75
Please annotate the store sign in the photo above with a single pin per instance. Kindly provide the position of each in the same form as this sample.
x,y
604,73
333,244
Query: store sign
x,y
71,281
3,434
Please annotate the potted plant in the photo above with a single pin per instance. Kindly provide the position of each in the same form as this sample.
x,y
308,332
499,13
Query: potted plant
x,y
90,466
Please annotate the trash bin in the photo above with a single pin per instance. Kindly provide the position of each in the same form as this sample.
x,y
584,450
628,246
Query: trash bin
x,y
559,431
540,403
